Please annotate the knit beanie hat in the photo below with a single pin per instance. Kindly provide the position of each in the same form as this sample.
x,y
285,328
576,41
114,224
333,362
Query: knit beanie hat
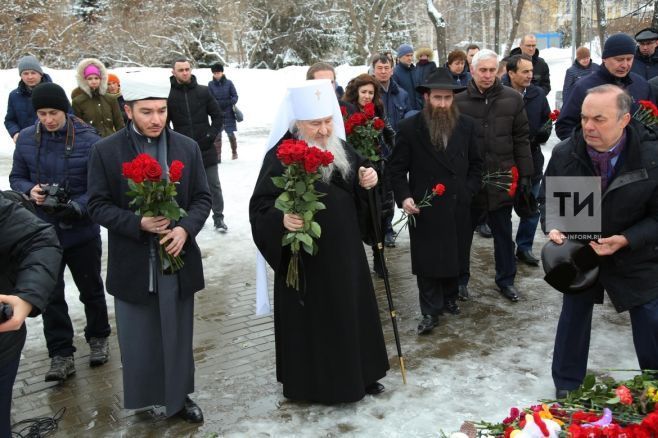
x,y
617,45
91,69
217,67
582,53
50,95
404,49
111,77
29,63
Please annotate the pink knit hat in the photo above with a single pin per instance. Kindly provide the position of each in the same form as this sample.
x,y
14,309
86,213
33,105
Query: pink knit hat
x,y
91,69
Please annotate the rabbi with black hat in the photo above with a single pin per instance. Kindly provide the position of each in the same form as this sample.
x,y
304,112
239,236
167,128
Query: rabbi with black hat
x,y
50,166
437,146
645,63
612,146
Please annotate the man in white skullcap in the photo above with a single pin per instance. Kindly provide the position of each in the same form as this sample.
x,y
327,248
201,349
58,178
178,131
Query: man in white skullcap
x,y
329,341
154,310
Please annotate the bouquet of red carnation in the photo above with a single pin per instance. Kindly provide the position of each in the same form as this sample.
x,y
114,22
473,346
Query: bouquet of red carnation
x,y
154,196
646,113
362,130
552,118
507,180
426,201
302,164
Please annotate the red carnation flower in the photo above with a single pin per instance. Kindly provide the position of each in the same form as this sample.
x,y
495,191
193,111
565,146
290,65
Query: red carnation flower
x,y
313,159
176,170
554,115
439,189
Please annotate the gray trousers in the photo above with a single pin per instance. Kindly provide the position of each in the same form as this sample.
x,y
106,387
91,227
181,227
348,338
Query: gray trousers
x,y
212,175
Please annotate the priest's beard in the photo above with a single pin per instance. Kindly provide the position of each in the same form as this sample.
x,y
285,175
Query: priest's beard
x,y
341,162
440,122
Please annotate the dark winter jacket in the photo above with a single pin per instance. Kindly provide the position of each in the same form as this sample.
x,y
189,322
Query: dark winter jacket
x,y
96,107
645,66
406,78
188,109
20,113
540,73
569,118
462,78
396,103
224,93
439,236
30,258
537,110
54,167
575,72
128,245
629,206
501,127
423,69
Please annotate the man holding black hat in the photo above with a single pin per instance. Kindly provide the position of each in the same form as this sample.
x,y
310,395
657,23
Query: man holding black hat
x,y
646,58
621,154
154,309
50,166
20,113
437,146
617,60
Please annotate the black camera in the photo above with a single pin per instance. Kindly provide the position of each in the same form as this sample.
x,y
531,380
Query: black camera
x,y
6,312
56,195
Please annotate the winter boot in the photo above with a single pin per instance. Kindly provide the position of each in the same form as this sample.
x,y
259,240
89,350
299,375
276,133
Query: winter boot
x,y
61,367
234,147
218,147
99,351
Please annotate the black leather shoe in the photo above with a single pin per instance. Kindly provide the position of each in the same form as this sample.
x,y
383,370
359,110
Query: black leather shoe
x,y
452,307
427,324
484,231
510,293
389,240
527,257
561,394
375,388
191,412
463,293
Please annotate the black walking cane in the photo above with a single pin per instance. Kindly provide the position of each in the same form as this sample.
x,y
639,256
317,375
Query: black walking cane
x,y
376,223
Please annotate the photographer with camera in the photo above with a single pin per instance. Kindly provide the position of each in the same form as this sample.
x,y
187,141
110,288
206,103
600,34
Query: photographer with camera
x,y
50,166
29,259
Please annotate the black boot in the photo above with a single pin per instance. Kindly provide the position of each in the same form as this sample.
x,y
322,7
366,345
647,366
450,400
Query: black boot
x,y
234,147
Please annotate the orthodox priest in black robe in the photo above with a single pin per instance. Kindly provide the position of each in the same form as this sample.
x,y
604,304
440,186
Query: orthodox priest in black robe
x,y
329,341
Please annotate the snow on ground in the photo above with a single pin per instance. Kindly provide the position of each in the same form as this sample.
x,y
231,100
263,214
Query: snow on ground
x,y
503,359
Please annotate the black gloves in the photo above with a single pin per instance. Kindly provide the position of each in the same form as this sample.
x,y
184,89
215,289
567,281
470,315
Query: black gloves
x,y
68,212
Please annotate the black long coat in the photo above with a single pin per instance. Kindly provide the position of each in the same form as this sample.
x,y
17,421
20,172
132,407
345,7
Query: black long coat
x,y
438,238
629,206
128,245
332,346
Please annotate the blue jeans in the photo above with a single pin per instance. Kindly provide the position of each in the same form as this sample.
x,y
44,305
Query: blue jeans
x,y
525,234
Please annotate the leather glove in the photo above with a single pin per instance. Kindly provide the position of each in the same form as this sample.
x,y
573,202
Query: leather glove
x,y
525,184
68,212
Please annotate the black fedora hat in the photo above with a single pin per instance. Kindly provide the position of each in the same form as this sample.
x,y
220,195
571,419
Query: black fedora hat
x,y
441,79
571,267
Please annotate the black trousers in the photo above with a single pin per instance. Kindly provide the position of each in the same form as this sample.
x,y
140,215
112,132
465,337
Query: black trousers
x,y
433,291
84,262
573,335
7,378
500,222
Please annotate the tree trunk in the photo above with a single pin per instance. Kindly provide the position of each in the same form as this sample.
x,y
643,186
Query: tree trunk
x,y
654,21
601,22
440,26
359,36
515,25
577,38
497,27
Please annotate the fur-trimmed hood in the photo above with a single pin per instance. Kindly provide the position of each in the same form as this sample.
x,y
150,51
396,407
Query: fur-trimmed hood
x,y
102,89
424,51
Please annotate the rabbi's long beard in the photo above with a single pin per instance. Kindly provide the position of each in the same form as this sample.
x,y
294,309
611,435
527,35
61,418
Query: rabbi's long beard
x,y
440,123
340,163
